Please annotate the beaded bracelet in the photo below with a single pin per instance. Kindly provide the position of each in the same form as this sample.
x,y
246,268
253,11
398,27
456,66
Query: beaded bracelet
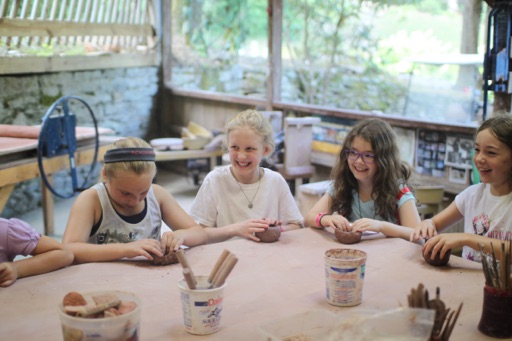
x,y
319,217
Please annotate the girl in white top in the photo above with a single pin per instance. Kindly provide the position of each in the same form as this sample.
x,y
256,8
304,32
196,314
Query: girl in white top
x,y
485,207
243,198
122,217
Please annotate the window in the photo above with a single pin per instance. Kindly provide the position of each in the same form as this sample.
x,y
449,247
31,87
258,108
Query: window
x,y
402,59
221,46
397,60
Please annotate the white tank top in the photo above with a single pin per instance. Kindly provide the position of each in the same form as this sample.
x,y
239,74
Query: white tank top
x,y
113,229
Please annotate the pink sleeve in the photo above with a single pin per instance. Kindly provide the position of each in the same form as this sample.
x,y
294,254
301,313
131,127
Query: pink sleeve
x,y
22,239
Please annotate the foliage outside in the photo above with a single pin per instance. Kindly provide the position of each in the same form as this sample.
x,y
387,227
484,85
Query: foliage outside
x,y
346,54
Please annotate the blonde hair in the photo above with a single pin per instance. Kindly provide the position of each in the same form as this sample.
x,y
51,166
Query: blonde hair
x,y
137,167
255,121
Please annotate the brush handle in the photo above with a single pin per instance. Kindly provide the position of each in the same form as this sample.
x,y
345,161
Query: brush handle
x,y
217,265
225,270
185,265
189,278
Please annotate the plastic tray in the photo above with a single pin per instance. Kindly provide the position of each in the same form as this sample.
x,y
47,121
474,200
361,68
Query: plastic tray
x,y
313,325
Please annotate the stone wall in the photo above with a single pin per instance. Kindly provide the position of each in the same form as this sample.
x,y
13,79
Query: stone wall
x,y
121,99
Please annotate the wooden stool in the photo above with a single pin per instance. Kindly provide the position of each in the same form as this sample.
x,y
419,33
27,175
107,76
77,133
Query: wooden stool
x,y
298,138
429,200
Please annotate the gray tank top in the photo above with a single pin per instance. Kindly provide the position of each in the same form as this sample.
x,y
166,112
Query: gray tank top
x,y
113,229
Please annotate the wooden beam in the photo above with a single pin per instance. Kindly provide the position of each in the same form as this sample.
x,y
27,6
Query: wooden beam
x,y
275,23
21,65
22,170
310,109
167,40
5,193
48,208
46,28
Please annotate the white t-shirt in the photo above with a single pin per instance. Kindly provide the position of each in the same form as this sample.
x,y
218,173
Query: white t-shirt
x,y
484,214
221,202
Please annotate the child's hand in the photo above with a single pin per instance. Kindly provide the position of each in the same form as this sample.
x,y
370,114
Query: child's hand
x,y
426,229
144,248
273,222
248,228
442,243
336,221
8,274
366,224
171,242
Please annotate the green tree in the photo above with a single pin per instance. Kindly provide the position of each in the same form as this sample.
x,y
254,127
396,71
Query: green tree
x,y
325,41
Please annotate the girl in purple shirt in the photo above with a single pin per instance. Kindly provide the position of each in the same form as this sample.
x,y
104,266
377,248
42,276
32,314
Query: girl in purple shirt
x,y
18,238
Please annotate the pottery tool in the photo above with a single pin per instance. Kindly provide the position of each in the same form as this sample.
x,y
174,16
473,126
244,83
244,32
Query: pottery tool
x,y
224,270
485,266
448,327
88,310
444,318
217,265
495,268
189,278
185,265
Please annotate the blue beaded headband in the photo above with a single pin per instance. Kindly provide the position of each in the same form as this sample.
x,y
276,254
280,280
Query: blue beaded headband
x,y
129,154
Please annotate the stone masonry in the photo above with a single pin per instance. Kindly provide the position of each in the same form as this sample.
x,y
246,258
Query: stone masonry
x,y
121,99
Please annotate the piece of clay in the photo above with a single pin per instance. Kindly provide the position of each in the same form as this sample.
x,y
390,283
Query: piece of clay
x,y
74,299
97,306
167,259
270,235
347,237
438,261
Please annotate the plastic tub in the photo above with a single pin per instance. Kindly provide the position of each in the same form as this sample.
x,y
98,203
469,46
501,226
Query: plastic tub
x,y
119,328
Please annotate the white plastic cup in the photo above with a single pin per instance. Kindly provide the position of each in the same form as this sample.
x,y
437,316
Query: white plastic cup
x,y
202,307
344,276
122,327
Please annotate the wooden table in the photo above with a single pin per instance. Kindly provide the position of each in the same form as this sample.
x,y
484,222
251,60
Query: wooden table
x,y
21,165
173,155
270,281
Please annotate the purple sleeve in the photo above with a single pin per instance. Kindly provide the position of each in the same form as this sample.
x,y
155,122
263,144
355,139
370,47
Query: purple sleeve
x,y
22,239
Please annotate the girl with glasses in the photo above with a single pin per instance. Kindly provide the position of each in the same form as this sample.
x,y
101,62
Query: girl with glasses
x,y
368,191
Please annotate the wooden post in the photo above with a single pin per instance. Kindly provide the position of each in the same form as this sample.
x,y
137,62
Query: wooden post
x,y
48,207
275,22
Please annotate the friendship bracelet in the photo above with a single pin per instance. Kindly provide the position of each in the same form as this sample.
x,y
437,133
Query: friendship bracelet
x,y
319,217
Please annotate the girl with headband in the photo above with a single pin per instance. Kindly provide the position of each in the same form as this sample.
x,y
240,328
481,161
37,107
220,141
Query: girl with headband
x,y
121,217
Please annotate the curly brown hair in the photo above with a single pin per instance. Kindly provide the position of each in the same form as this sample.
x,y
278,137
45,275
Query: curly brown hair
x,y
391,171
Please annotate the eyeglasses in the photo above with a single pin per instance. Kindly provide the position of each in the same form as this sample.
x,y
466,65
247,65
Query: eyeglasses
x,y
353,156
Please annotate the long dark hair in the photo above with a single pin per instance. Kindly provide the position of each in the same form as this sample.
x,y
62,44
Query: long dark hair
x,y
391,171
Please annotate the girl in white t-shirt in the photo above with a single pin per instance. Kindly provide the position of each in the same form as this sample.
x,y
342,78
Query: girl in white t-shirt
x,y
243,198
485,207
